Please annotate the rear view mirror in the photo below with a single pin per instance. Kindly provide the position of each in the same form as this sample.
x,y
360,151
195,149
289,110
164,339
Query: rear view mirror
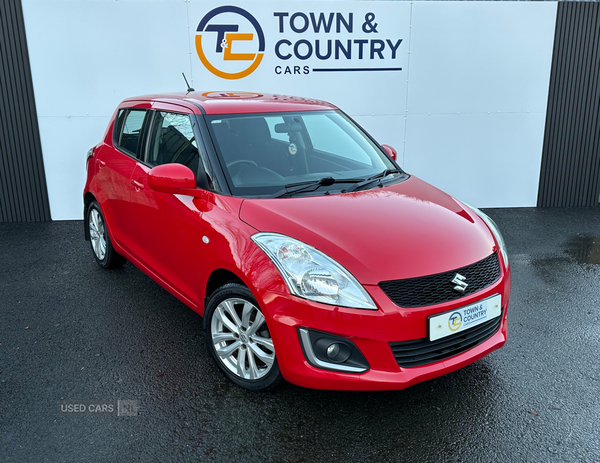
x,y
391,151
288,128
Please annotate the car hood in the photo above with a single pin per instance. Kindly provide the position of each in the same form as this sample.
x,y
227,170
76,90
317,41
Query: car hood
x,y
404,230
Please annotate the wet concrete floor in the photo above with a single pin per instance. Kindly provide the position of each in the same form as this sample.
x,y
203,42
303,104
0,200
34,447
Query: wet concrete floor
x,y
71,331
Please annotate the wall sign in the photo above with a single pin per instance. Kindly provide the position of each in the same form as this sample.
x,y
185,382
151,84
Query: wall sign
x,y
231,42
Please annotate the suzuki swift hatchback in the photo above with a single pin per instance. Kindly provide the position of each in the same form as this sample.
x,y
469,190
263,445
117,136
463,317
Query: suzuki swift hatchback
x,y
312,256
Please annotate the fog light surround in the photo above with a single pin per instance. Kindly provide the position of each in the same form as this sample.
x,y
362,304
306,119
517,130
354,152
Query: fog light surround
x,y
330,352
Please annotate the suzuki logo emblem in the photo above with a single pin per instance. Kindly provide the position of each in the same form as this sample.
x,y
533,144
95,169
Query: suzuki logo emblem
x,y
459,281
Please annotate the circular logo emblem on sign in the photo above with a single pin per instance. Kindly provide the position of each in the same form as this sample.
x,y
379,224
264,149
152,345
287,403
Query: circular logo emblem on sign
x,y
293,149
230,42
455,321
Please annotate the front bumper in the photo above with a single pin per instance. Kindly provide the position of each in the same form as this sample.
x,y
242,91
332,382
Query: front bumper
x,y
371,332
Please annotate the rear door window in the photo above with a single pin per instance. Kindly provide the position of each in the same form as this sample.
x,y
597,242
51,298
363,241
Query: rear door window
x,y
129,129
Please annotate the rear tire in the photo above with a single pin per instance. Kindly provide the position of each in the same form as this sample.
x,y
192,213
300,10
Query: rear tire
x,y
104,253
238,338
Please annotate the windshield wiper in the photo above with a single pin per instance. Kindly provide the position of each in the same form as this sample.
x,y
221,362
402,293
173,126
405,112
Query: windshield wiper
x,y
312,185
375,179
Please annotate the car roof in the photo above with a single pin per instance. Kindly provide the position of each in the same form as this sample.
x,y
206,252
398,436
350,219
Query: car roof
x,y
236,102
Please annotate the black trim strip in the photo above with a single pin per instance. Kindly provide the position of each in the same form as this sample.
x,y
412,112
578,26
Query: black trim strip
x,y
23,190
570,168
355,69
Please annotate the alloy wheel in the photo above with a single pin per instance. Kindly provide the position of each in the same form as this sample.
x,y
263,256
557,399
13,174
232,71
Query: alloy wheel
x,y
241,339
97,234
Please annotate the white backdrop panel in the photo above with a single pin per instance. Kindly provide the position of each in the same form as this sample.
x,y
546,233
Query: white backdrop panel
x,y
478,90
480,56
467,57
65,142
491,161
86,56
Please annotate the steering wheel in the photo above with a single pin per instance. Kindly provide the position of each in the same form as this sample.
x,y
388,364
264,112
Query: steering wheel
x,y
240,163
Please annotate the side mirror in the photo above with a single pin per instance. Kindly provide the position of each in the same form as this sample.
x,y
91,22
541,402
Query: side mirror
x,y
171,178
391,151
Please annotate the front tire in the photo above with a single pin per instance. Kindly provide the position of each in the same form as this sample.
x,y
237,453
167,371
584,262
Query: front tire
x,y
104,253
238,338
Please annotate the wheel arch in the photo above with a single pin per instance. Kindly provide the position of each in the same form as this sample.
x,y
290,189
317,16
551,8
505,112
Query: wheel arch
x,y
218,278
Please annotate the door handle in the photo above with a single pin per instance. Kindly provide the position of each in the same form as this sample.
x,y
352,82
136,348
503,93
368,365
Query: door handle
x,y
101,163
137,185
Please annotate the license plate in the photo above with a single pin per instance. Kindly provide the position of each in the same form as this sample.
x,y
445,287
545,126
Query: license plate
x,y
458,320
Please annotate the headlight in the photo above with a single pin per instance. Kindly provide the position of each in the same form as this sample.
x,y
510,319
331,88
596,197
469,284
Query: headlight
x,y
311,274
495,230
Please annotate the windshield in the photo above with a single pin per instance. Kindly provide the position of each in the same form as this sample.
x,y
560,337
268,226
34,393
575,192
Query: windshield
x,y
263,154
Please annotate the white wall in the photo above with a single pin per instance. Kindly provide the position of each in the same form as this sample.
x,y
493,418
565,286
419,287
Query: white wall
x,y
478,90
466,113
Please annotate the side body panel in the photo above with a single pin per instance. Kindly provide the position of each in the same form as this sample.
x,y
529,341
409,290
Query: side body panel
x,y
111,187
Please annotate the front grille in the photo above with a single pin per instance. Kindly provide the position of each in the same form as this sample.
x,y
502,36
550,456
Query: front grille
x,y
423,352
438,288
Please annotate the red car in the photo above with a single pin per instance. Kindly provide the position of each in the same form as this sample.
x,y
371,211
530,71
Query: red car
x,y
312,256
